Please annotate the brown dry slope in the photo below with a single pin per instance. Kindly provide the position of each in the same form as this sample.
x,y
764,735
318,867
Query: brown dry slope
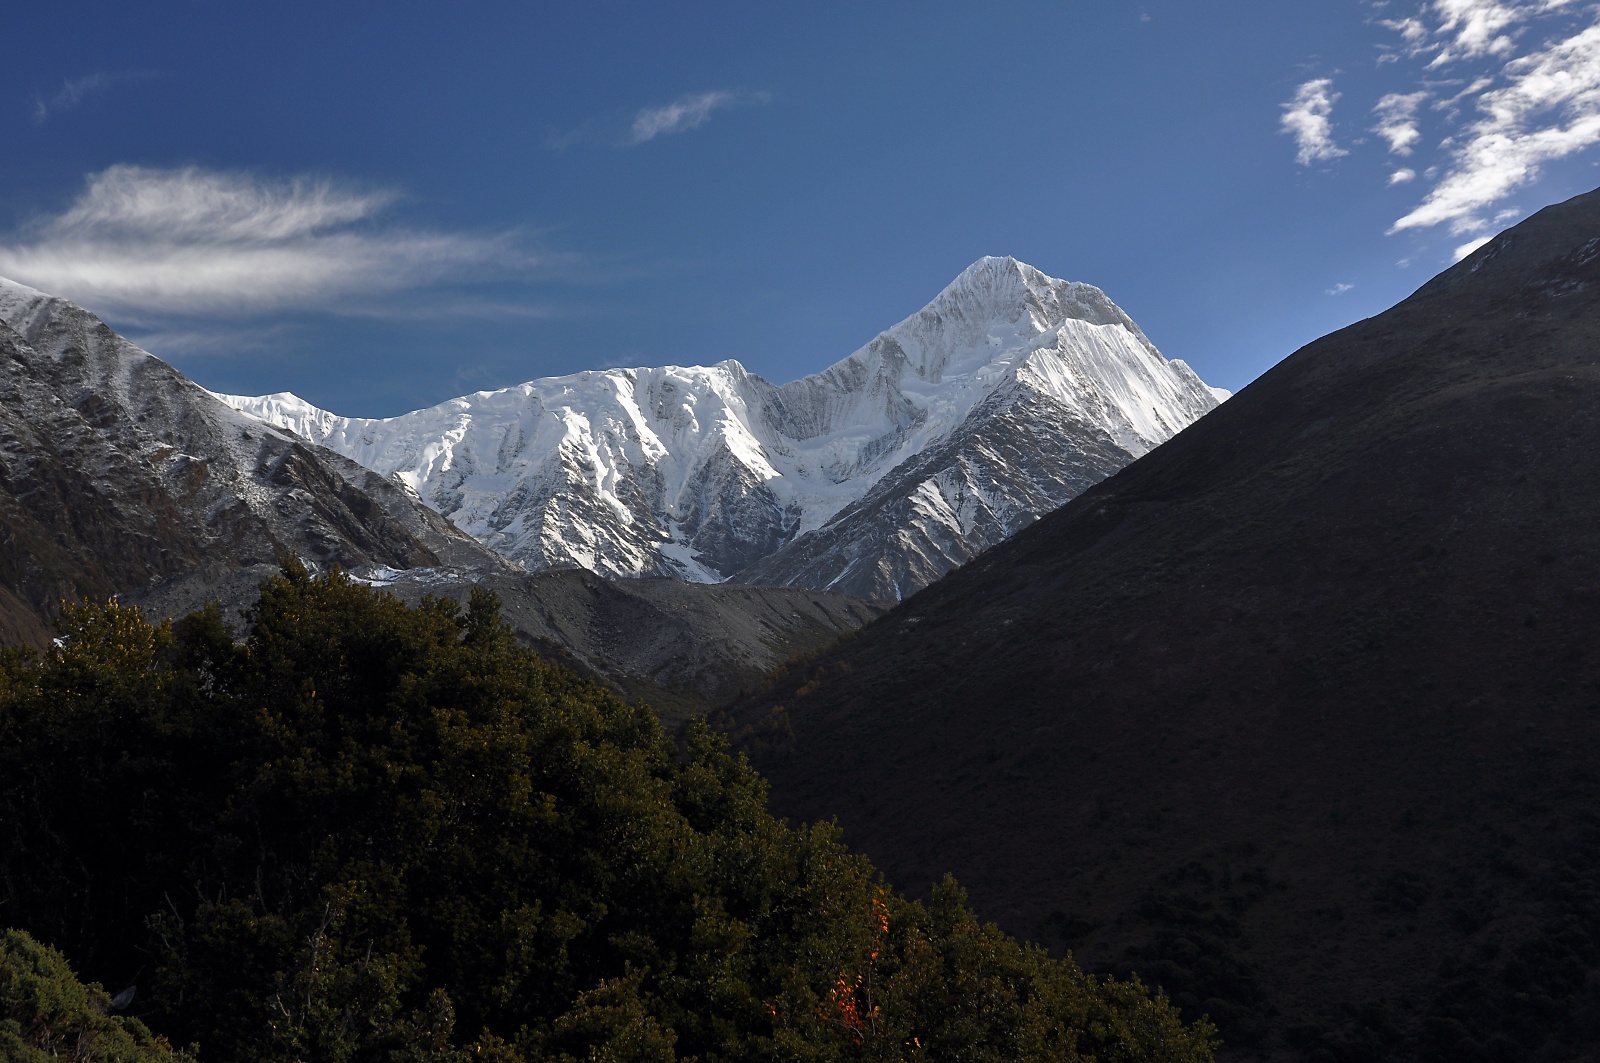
x,y
1299,715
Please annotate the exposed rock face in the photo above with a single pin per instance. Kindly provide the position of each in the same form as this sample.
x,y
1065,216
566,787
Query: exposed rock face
x,y
118,473
1016,456
1004,397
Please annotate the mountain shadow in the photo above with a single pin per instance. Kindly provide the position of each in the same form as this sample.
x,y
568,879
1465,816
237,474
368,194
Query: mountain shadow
x,y
1298,715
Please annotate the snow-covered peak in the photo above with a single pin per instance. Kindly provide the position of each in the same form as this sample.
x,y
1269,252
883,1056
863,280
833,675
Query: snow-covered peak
x,y
1001,286
288,410
995,306
699,471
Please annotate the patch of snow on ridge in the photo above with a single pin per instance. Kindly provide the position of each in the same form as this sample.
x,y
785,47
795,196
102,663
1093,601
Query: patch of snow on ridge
x,y
701,471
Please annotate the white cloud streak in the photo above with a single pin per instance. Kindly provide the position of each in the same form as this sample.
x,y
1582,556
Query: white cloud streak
x,y
1475,28
1400,177
1306,118
1397,120
194,241
687,112
1547,108
1451,104
1413,32
74,91
1452,31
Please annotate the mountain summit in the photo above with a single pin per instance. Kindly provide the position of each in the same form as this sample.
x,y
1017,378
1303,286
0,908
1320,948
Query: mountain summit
x,y
1008,394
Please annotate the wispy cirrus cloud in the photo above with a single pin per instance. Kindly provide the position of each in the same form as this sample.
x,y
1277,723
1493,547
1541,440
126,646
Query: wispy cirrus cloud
x,y
1469,29
1544,106
74,92
688,112
1413,34
192,241
1397,124
1448,31
1490,93
1306,118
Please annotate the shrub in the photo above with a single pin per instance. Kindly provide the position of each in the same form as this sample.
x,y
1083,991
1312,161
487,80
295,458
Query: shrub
x,y
47,1015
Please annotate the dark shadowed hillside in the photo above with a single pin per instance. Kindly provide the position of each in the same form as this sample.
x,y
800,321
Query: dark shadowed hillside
x,y
1299,715
679,646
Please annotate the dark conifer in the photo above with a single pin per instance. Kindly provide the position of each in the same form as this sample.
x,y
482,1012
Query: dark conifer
x,y
369,832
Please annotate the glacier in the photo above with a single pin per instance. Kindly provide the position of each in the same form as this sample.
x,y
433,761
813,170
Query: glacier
x,y
1005,396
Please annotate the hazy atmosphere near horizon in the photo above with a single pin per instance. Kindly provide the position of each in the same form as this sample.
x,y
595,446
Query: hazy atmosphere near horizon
x,y
379,207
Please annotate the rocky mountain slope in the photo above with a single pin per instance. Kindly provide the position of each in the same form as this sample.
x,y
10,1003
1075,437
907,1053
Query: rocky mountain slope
x,y
119,476
680,646
118,473
1005,396
1299,714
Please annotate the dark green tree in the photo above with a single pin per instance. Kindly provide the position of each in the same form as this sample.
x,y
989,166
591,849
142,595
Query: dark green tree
x,y
371,832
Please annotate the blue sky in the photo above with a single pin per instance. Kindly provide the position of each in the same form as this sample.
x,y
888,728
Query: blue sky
x,y
380,206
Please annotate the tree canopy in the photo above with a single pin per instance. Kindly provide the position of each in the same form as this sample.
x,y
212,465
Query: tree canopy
x,y
371,832
47,1015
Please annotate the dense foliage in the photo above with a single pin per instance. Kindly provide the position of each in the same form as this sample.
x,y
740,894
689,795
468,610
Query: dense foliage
x,y
47,1015
368,832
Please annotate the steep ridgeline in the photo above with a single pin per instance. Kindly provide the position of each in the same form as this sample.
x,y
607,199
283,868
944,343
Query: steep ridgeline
x,y
1298,715
119,476
1007,395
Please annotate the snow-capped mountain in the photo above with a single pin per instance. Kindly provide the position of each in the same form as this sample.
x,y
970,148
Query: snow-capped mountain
x,y
120,476
1008,394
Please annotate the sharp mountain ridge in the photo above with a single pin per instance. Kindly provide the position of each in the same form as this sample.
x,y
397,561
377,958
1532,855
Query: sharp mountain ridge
x,y
1006,395
121,477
